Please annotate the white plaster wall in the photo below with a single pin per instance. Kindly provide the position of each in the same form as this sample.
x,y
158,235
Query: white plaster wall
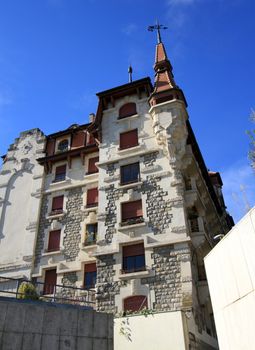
x,y
161,331
21,179
230,269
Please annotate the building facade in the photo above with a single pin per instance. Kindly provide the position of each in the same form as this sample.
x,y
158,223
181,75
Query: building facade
x,y
128,207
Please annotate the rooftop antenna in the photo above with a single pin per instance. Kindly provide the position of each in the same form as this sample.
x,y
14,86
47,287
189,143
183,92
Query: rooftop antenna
x,y
157,27
130,71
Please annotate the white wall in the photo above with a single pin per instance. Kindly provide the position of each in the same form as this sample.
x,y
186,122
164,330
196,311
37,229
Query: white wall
x,y
21,180
230,269
161,331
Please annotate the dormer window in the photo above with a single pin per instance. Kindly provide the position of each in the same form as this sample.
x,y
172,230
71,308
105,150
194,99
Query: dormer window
x,y
127,110
63,145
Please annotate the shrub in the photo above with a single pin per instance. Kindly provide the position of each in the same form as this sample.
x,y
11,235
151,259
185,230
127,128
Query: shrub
x,y
27,291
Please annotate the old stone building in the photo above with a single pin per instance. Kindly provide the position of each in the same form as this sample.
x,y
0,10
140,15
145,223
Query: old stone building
x,y
128,207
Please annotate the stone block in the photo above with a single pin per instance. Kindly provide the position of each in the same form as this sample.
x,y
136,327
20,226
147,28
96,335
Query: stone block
x,y
33,319
84,343
15,317
100,344
85,323
50,342
69,322
3,308
11,341
110,344
31,341
110,326
67,342
100,325
51,320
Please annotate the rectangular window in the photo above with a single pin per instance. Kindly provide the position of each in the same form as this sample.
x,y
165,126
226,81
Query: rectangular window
x,y
130,173
60,173
131,212
90,276
54,240
91,234
92,197
133,258
129,139
92,168
57,205
50,281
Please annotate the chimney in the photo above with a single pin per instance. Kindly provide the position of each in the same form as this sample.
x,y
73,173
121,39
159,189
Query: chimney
x,y
92,117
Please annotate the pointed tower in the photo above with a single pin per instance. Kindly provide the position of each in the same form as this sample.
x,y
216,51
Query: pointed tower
x,y
165,88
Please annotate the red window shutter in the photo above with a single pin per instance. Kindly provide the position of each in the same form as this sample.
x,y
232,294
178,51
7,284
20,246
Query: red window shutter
x,y
129,139
92,196
133,250
54,240
131,210
60,169
92,168
50,149
79,139
50,281
57,203
91,267
90,139
127,110
135,303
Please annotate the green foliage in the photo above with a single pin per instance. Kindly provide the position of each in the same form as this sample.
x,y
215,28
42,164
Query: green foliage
x,y
27,291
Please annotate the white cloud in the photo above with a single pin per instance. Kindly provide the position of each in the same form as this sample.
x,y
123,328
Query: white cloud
x,y
239,188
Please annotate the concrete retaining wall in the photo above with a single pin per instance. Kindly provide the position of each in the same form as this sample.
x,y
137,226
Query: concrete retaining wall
x,y
27,325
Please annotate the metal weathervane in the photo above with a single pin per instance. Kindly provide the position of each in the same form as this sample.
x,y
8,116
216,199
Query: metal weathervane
x,y
157,27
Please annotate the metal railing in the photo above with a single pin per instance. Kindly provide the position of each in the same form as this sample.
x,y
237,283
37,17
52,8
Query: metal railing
x,y
11,287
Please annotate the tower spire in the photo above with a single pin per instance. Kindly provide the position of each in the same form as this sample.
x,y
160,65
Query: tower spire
x,y
165,87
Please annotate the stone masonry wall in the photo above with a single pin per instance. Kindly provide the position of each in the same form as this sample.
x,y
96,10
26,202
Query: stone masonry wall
x,y
167,280
106,288
69,279
72,221
43,224
158,209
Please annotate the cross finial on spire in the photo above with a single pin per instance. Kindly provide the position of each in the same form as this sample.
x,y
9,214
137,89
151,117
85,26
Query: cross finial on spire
x,y
157,27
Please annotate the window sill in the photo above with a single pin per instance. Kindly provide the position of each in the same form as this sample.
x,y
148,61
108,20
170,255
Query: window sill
x,y
131,226
55,216
88,209
138,274
60,183
85,246
88,175
54,252
126,150
134,116
130,185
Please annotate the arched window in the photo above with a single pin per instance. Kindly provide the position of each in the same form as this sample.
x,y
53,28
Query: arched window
x,y
135,303
63,145
127,110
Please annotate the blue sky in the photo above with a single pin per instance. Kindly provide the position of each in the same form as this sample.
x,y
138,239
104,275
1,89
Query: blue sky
x,y
56,54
